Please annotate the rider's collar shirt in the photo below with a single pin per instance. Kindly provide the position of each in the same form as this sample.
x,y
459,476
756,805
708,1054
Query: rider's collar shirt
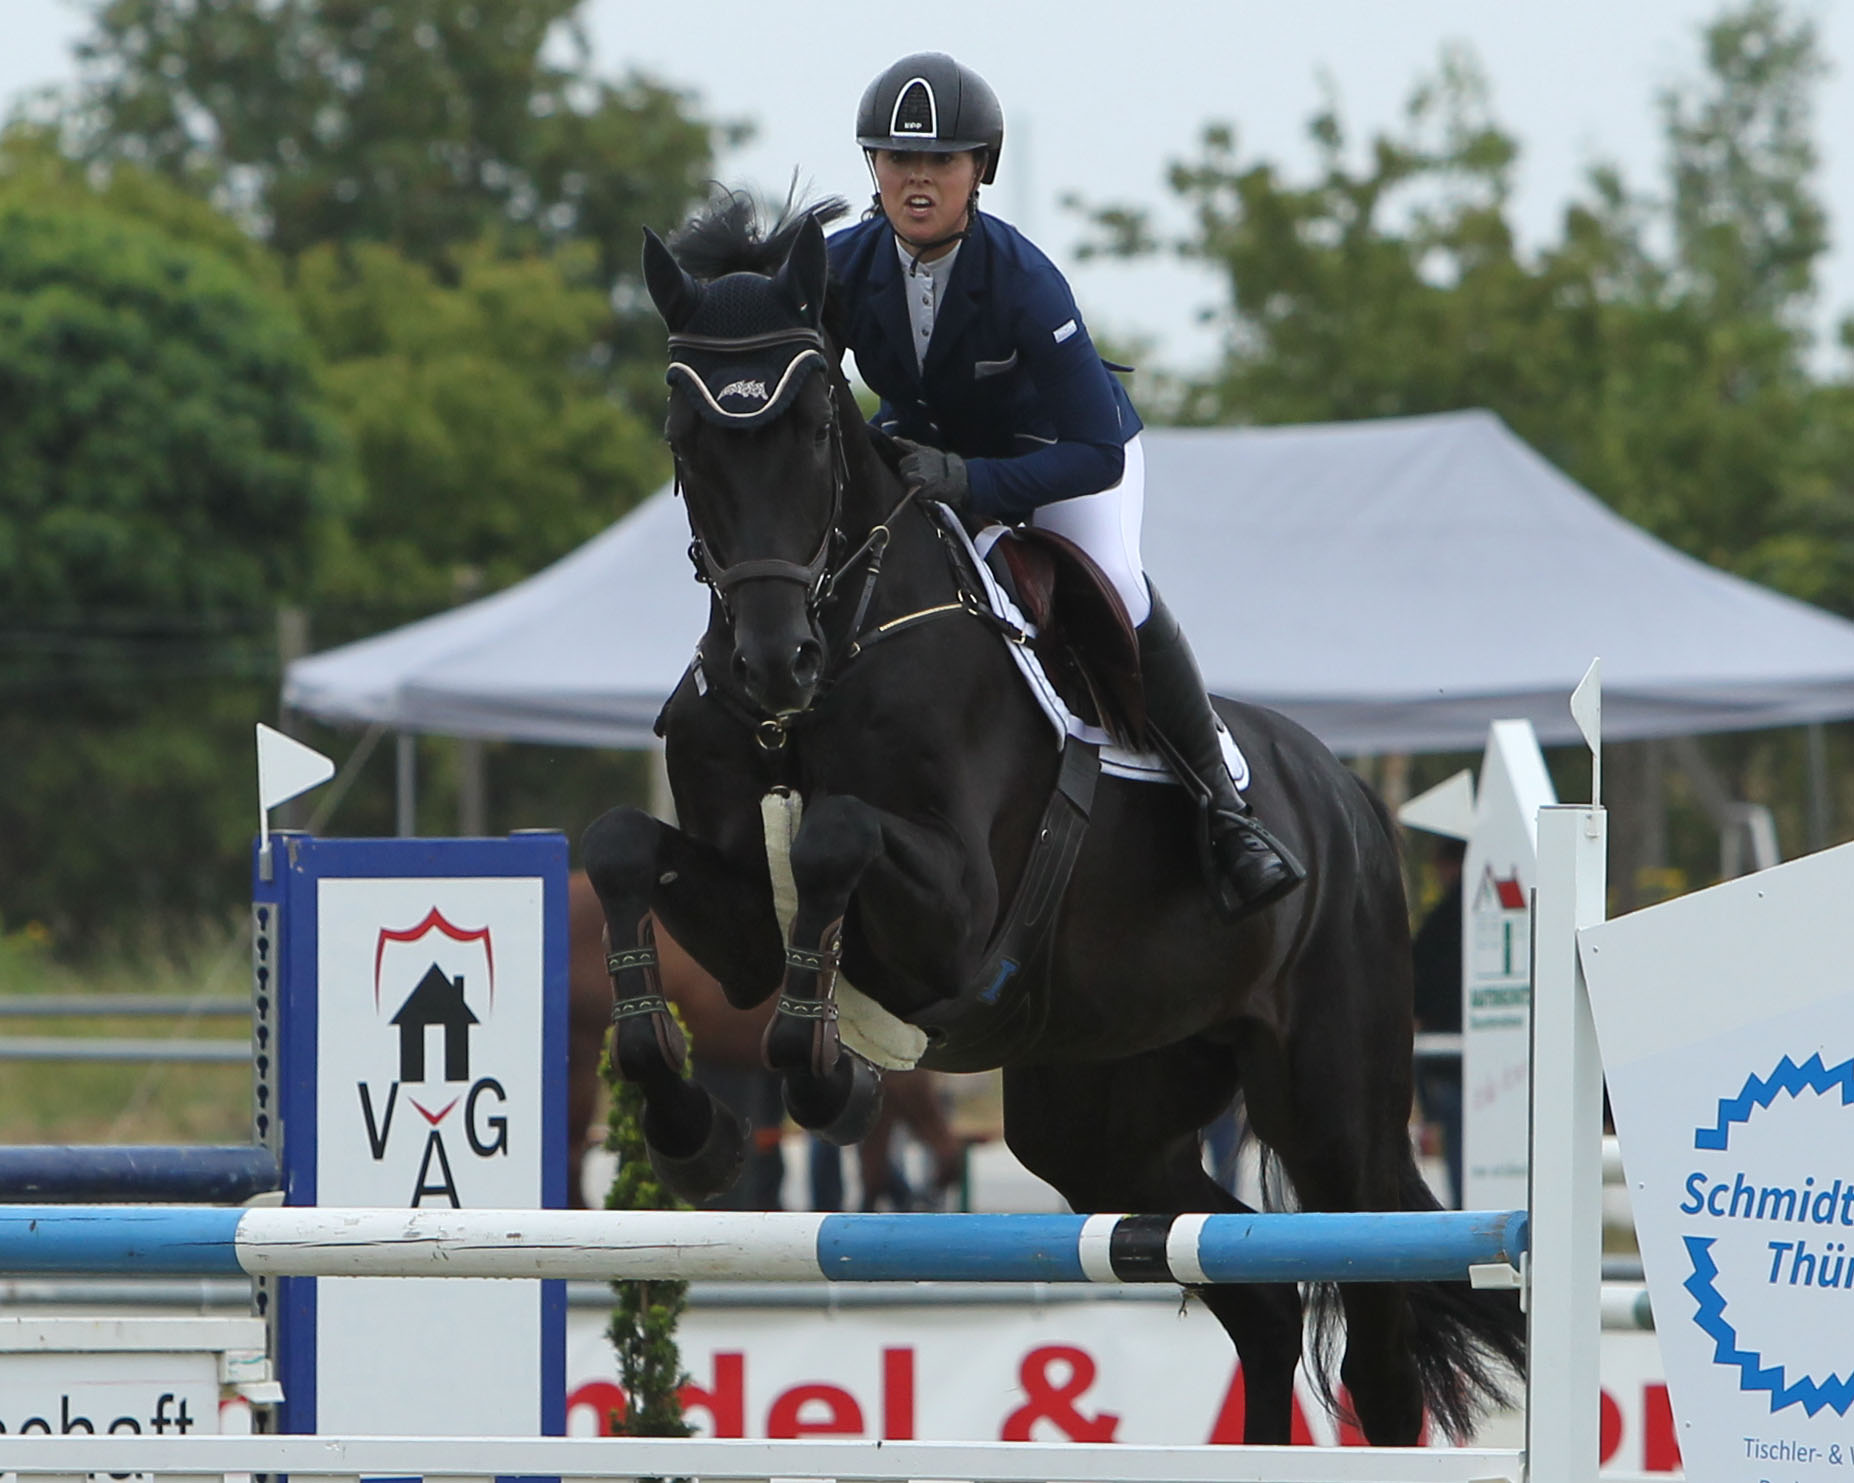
x,y
923,285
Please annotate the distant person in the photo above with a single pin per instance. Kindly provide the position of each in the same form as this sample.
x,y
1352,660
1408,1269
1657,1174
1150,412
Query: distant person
x,y
1437,954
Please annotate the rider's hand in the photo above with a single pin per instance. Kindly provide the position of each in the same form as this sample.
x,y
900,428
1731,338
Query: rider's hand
x,y
935,474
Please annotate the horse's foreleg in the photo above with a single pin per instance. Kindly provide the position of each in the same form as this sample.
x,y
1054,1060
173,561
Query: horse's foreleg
x,y
696,1144
831,1090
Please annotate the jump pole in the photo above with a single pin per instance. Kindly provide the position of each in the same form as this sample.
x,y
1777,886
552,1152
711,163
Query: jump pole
x,y
184,1241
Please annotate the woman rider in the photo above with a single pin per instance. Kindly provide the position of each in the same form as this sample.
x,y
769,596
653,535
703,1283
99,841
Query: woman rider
x,y
989,380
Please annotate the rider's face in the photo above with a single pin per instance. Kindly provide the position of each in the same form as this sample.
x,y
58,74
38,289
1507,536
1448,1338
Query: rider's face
x,y
924,195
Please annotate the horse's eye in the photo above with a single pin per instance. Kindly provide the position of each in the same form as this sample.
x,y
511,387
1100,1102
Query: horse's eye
x,y
821,435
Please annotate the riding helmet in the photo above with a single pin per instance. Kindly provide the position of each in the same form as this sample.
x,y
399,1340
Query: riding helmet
x,y
929,102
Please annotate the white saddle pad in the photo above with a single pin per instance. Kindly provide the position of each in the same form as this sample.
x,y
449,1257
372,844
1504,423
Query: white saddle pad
x,y
1117,761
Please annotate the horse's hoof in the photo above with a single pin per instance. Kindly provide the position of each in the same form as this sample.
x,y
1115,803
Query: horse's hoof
x,y
714,1164
839,1108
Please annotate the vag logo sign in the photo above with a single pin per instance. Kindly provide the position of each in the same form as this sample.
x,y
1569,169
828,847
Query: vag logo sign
x,y
425,980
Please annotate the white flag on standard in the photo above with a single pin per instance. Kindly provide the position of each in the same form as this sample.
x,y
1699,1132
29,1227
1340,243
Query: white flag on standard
x,y
285,768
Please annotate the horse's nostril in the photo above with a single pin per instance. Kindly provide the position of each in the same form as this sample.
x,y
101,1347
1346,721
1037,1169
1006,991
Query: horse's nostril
x,y
808,663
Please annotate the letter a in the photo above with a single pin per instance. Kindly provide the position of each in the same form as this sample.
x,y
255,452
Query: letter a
x,y
435,1144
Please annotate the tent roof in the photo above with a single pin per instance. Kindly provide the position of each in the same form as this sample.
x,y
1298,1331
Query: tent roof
x,y
1392,585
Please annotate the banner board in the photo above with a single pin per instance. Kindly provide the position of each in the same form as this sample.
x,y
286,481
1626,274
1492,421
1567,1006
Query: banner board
x,y
422,1024
1054,1368
1727,1026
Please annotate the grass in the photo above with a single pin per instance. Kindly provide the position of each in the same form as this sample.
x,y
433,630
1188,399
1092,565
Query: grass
x,y
74,1101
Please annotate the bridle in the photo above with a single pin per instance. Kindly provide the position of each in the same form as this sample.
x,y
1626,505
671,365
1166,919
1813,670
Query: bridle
x,y
819,577
815,576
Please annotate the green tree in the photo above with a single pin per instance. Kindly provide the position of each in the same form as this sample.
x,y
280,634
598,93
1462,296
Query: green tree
x,y
168,472
1673,380
485,429
420,123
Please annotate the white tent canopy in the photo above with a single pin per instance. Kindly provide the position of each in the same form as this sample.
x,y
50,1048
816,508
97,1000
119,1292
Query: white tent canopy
x,y
1392,585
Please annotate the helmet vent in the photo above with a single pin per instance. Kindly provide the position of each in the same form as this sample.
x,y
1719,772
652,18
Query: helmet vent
x,y
915,112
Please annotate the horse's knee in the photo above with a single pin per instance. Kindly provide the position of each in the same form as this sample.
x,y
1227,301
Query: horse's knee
x,y
835,844
619,849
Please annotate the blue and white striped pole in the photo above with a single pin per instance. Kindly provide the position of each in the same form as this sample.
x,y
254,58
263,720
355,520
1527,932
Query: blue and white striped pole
x,y
746,1247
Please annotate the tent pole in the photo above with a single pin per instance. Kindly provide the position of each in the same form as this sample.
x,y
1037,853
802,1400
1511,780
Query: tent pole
x,y
1820,814
405,748
472,788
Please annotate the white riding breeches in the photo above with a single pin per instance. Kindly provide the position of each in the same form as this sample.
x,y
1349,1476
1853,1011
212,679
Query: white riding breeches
x,y
1106,526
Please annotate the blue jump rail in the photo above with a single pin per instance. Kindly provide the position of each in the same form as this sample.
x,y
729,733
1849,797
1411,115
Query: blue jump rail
x,y
132,1174
746,1247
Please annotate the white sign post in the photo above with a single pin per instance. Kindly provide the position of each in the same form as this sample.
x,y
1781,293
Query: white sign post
x,y
421,985
1498,875
1727,1027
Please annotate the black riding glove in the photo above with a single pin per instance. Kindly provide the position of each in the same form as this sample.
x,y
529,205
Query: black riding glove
x,y
936,474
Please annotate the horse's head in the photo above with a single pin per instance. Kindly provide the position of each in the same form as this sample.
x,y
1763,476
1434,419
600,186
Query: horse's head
x,y
753,427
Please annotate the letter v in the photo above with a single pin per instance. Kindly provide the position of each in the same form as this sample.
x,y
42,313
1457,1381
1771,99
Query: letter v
x,y
376,1136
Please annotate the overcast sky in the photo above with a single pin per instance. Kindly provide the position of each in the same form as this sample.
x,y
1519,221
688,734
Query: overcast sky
x,y
1100,98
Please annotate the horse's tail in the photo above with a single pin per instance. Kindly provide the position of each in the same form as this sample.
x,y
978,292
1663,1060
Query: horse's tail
x,y
1469,1344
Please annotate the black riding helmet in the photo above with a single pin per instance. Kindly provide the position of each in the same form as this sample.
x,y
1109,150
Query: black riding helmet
x,y
929,102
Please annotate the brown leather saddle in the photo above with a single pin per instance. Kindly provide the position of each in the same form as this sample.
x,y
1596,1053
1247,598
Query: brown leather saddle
x,y
1085,638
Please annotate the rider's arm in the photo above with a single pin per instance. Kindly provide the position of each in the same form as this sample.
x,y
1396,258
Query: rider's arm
x,y
1078,400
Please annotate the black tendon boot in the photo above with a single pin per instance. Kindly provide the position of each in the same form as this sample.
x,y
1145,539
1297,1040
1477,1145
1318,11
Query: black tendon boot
x,y
1248,866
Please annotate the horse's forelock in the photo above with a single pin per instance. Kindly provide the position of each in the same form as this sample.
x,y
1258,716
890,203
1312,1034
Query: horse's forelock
x,y
728,237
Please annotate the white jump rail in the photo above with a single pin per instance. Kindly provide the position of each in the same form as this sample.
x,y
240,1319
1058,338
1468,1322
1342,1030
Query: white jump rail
x,y
635,1457
1560,1278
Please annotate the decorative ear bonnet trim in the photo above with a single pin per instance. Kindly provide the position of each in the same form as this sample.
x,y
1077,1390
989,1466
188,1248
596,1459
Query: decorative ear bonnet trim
x,y
745,350
745,381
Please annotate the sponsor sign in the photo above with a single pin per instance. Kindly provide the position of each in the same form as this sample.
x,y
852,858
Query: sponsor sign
x,y
99,1395
1496,946
1049,1371
423,1029
1727,1026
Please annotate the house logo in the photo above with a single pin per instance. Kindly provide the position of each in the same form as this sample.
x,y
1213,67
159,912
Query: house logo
x,y
1766,1221
1499,989
437,1001
433,991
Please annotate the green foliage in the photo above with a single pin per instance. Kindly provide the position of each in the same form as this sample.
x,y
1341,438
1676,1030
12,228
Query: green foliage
x,y
421,123
644,1314
1657,350
168,470
486,431
315,304
163,450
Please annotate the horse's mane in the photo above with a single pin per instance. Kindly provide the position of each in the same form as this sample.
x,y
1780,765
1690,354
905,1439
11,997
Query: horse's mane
x,y
728,236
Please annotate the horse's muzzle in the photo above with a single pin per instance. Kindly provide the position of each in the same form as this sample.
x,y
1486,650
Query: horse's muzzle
x,y
779,663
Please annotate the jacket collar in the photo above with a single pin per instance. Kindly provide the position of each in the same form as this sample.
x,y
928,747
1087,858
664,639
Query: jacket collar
x,y
964,294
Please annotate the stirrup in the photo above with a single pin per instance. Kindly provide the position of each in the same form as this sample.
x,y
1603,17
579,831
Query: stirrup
x,y
1230,902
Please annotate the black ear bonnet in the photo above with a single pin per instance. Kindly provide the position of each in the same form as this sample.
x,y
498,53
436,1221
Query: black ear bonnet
x,y
744,353
743,344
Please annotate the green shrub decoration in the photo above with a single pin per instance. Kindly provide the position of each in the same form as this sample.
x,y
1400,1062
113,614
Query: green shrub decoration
x,y
645,1314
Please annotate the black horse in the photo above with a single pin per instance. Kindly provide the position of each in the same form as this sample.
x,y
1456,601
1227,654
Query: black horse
x,y
843,660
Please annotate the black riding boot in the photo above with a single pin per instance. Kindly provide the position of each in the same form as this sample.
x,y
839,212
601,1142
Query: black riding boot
x,y
1248,866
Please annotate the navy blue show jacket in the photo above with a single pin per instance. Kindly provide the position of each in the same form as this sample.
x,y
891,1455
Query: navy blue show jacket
x,y
1011,382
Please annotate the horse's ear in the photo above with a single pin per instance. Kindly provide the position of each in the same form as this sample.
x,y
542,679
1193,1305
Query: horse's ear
x,y
672,290
805,270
